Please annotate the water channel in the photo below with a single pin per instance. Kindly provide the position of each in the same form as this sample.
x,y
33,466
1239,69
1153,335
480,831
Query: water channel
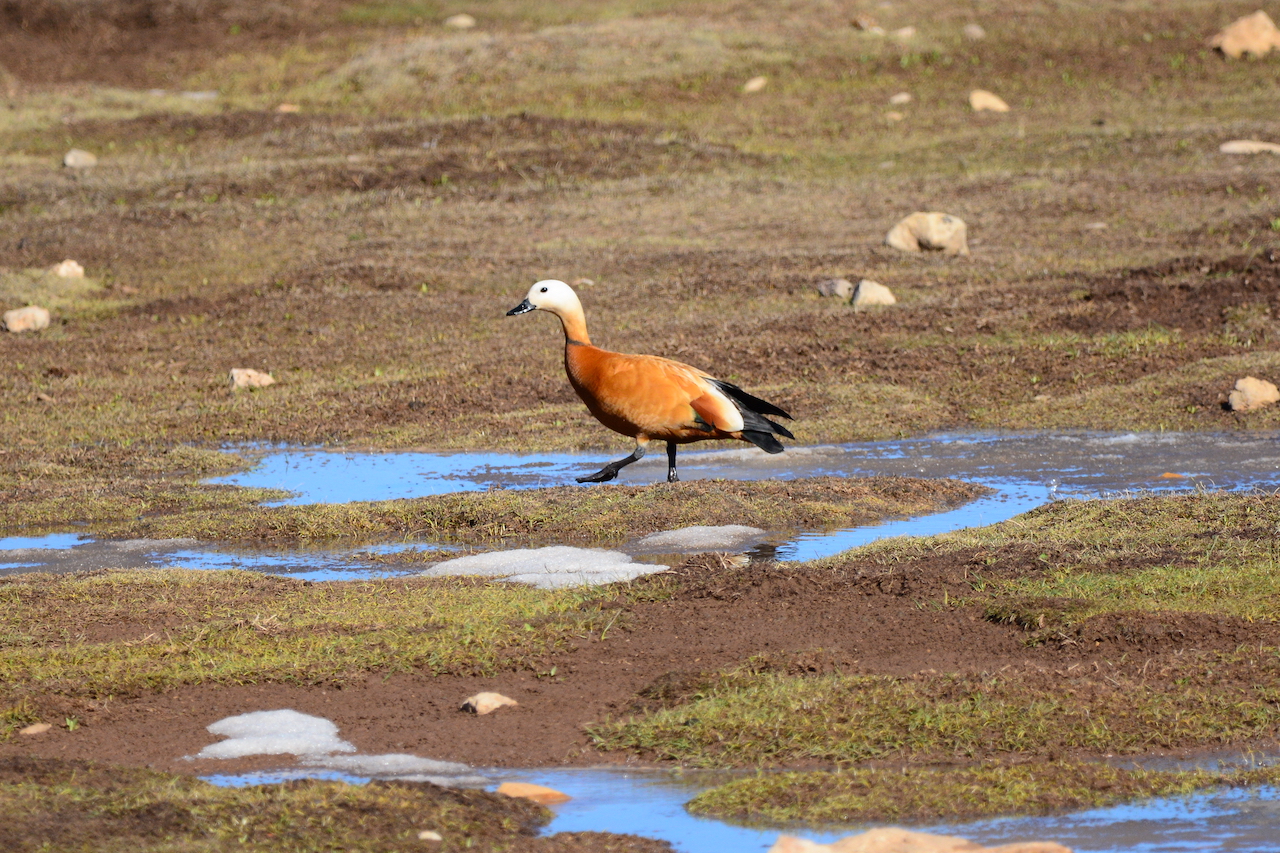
x,y
1026,470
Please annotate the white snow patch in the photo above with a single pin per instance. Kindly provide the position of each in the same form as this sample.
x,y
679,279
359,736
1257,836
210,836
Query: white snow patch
x,y
398,765
701,538
548,568
274,733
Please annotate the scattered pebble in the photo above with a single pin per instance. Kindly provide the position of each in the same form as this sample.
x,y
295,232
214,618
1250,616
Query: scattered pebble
x,y
78,158
904,33
288,108
900,99
67,269
243,377
755,84
974,32
430,835
1255,34
1251,393
865,23
1249,146
33,318
1096,226
841,287
486,703
870,292
981,99
891,839
930,231
894,115
461,21
35,729
537,793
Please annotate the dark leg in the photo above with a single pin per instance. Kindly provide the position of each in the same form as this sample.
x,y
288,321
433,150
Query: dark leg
x,y
611,470
671,463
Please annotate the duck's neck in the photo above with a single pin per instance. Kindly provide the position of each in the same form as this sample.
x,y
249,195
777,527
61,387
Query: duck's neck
x,y
575,327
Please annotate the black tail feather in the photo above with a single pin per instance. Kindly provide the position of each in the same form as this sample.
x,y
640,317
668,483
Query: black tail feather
x,y
756,428
751,401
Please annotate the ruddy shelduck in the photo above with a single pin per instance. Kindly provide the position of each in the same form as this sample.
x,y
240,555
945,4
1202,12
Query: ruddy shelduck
x,y
647,397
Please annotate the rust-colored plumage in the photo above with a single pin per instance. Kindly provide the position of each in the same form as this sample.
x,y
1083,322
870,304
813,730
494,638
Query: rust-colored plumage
x,y
650,398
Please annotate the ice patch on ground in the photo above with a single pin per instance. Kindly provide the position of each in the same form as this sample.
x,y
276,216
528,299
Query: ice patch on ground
x,y
398,765
274,733
726,537
549,568
315,739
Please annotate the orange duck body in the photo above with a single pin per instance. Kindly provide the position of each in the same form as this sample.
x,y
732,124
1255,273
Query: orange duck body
x,y
650,398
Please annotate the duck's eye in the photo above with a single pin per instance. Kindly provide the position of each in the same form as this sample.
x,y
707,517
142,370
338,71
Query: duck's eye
x,y
544,290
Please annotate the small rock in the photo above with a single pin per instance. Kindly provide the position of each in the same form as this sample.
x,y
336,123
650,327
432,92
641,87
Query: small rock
x,y
460,22
583,282
975,32
1249,146
1255,34
33,318
1096,226
430,835
932,231
243,377
981,99
904,33
891,839
35,729
486,703
870,292
900,99
44,398
67,269
894,115
288,108
537,793
865,23
841,287
77,158
755,84
1251,393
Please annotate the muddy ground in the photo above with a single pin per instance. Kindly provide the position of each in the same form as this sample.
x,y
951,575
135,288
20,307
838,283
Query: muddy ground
x,y
364,244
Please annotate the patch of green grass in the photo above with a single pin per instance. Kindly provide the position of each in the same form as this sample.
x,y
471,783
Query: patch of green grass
x,y
749,718
49,804
611,514
927,794
118,633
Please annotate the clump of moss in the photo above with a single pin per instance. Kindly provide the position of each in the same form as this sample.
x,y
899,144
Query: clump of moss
x,y
952,793
51,804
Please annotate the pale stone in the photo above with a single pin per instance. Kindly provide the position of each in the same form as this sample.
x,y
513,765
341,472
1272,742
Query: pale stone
x,y
1249,146
537,793
67,269
895,840
981,99
841,287
243,377
460,22
1095,226
288,108
904,33
900,99
430,835
1251,393
33,318
974,32
35,729
78,158
865,23
932,231
870,292
583,282
1255,34
894,115
755,84
487,703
